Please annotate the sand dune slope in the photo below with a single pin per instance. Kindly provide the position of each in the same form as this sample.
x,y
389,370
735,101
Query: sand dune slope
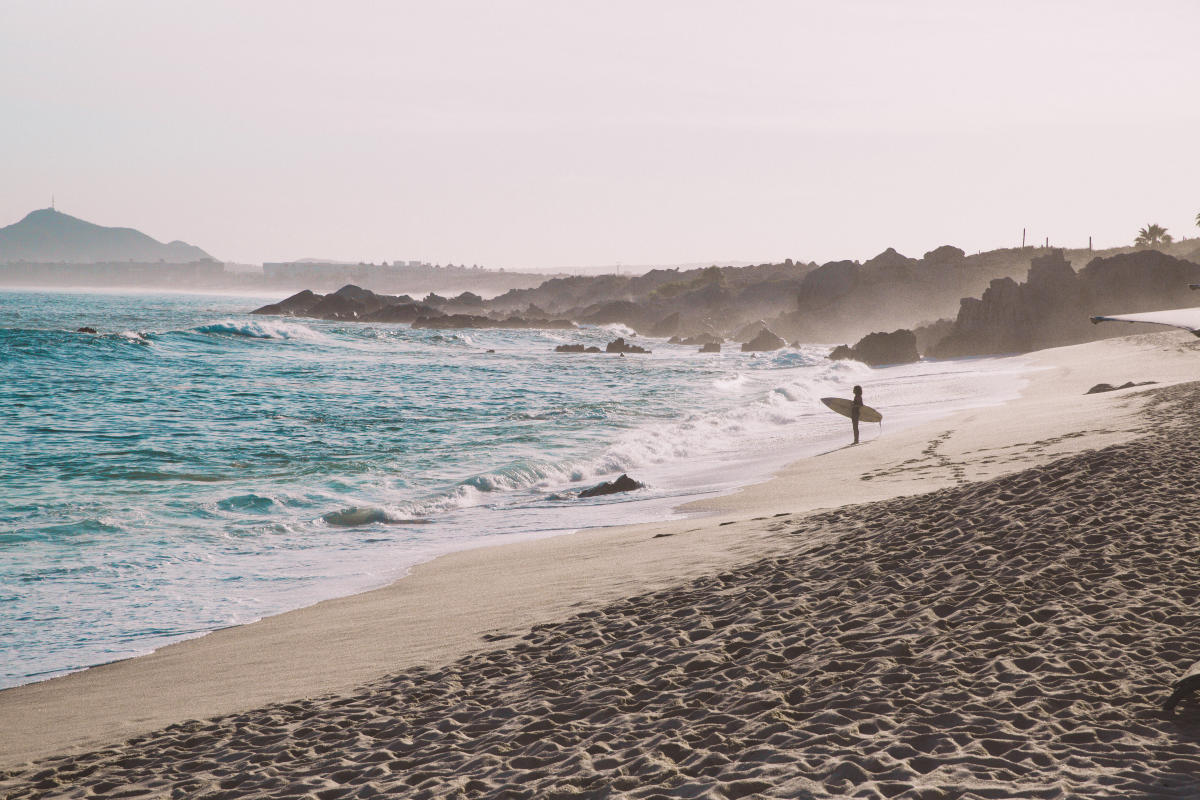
x,y
1012,638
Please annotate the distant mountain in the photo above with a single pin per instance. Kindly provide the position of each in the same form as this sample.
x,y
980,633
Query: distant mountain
x,y
47,235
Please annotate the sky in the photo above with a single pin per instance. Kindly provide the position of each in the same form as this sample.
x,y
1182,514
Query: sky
x,y
551,134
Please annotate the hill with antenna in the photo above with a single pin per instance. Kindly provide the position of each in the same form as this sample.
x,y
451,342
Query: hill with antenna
x,y
50,236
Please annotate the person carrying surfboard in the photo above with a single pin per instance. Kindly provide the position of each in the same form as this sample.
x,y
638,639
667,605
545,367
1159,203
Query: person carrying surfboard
x,y
856,410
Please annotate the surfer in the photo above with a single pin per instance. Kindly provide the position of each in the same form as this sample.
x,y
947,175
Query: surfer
x,y
855,409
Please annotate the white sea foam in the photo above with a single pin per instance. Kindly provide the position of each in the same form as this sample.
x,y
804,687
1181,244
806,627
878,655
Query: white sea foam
x,y
264,329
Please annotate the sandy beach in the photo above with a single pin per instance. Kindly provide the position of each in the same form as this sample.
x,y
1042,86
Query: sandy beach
x,y
990,605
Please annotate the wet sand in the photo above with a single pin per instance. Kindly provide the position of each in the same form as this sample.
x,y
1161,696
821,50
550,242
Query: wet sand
x,y
1001,620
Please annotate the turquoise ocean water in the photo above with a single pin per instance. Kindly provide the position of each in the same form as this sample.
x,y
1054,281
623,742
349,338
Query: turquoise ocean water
x,y
191,467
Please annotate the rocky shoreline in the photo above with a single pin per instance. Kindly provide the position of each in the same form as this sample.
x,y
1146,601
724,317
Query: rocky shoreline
x,y
763,308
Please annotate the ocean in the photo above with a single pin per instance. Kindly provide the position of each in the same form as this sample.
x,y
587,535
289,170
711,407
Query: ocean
x,y
190,467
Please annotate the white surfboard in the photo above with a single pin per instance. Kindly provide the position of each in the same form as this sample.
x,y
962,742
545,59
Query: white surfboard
x,y
842,406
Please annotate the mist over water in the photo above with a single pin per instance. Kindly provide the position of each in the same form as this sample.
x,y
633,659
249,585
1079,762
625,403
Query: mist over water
x,y
190,466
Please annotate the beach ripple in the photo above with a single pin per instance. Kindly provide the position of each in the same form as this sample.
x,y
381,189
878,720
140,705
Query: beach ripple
x,y
1012,638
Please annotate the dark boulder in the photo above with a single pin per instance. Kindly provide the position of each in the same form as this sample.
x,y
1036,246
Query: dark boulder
x,y
877,349
297,305
763,342
621,484
467,299
711,347
85,329
576,348
619,345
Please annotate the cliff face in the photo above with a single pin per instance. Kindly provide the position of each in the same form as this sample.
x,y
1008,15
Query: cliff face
x,y
49,236
1051,308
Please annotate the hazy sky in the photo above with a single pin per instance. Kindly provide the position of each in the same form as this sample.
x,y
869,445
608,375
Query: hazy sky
x,y
537,134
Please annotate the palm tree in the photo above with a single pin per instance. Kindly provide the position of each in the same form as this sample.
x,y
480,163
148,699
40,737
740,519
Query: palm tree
x,y
1198,220
1152,236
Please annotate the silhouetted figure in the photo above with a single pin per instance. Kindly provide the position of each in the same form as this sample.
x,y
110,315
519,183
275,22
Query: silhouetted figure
x,y
855,409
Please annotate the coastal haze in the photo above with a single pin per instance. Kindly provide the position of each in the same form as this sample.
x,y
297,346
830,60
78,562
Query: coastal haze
x,y
438,401
543,135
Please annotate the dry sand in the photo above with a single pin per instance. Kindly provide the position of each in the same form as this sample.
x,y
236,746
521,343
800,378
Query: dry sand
x,y
1003,620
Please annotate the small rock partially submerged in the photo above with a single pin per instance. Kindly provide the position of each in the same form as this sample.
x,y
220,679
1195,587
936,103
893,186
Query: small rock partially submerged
x,y
1108,387
576,348
711,347
621,484
85,329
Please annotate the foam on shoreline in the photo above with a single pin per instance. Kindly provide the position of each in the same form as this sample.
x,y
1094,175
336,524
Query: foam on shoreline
x,y
727,569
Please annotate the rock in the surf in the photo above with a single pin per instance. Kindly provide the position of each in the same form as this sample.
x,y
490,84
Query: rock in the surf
x,y
763,342
621,484
619,345
877,349
85,329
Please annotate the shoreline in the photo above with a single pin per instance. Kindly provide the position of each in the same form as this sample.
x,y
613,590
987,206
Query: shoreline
x,y
472,600
672,485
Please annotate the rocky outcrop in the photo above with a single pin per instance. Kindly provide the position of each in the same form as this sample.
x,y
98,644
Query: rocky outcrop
x,y
348,303
878,349
829,281
355,303
619,345
295,306
1052,307
621,484
576,348
711,347
763,342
